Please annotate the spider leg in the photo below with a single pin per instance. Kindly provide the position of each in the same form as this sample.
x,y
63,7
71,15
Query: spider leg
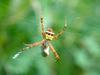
x,y
32,45
27,47
54,51
61,32
42,24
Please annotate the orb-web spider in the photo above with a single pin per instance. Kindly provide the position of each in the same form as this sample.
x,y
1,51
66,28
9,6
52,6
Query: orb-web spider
x,y
48,36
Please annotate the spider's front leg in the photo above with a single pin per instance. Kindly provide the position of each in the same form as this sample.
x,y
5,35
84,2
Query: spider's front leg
x,y
42,25
33,45
54,51
61,32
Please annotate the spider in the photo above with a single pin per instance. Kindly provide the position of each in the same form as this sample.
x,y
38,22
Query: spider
x,y
48,36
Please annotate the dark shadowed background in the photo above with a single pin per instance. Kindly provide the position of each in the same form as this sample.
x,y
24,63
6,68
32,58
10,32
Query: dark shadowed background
x,y
78,47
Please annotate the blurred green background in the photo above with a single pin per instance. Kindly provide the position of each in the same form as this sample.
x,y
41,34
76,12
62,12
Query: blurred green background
x,y
78,47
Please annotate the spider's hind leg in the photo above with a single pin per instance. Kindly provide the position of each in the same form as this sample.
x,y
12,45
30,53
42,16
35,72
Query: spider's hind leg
x,y
32,45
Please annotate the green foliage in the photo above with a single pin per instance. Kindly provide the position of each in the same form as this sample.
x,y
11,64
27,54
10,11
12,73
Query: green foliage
x,y
78,47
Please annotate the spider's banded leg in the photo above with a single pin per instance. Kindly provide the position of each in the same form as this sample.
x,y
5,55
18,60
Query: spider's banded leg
x,y
32,45
42,24
16,55
54,51
28,46
61,32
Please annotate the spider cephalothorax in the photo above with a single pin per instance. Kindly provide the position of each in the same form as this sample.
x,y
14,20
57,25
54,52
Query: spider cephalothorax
x,y
47,37
49,34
